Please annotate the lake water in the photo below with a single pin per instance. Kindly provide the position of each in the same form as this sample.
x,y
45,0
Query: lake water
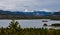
x,y
29,23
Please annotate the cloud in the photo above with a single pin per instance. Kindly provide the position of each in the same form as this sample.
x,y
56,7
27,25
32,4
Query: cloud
x,y
29,4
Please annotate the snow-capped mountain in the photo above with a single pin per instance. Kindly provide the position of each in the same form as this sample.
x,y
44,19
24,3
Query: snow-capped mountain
x,y
34,13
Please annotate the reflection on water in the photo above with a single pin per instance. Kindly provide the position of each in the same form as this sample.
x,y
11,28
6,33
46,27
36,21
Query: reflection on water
x,y
29,23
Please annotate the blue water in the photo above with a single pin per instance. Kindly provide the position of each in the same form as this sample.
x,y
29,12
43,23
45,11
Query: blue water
x,y
29,23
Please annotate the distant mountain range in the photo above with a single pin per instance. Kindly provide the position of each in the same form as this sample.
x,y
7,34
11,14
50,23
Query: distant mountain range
x,y
34,13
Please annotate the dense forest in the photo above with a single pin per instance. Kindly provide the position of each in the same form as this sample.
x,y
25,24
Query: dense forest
x,y
15,29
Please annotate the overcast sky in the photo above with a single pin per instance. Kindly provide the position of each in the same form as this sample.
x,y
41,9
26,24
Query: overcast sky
x,y
20,5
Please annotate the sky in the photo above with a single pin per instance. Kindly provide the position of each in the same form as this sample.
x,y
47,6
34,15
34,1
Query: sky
x,y
21,5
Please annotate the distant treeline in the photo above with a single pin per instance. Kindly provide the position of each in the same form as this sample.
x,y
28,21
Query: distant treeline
x,y
15,29
52,17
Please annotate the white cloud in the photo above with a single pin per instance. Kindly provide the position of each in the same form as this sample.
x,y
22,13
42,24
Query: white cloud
x,y
14,4
46,10
29,4
7,5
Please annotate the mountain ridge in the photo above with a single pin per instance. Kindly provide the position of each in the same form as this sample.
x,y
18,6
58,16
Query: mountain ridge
x,y
35,13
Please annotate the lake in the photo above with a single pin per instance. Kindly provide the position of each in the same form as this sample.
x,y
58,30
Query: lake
x,y
37,23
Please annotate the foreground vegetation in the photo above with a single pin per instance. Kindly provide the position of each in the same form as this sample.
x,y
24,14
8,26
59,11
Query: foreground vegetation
x,y
15,29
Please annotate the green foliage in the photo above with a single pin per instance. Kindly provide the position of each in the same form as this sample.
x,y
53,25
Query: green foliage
x,y
15,29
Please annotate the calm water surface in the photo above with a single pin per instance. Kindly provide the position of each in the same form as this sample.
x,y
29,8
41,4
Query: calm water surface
x,y
29,23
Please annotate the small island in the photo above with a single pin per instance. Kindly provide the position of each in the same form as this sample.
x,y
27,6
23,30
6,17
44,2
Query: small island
x,y
53,26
